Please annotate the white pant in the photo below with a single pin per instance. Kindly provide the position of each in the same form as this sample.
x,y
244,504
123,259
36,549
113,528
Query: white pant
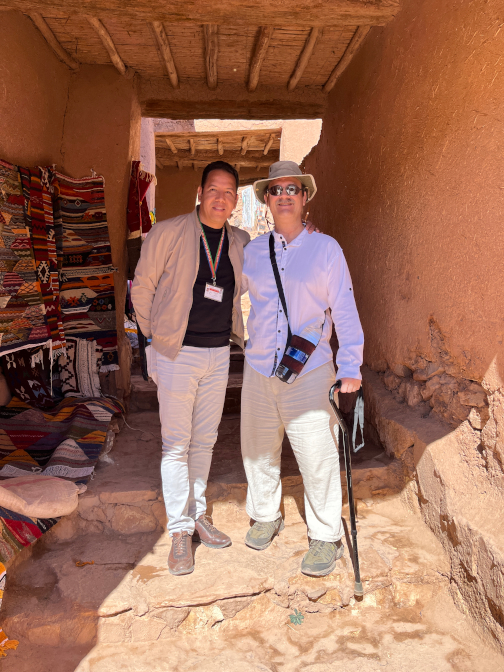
x,y
268,406
191,393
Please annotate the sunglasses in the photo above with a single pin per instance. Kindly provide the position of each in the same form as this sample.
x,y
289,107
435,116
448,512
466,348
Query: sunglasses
x,y
290,190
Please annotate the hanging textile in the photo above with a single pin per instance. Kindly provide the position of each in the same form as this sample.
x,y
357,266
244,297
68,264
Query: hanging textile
x,y
23,322
138,216
87,275
39,220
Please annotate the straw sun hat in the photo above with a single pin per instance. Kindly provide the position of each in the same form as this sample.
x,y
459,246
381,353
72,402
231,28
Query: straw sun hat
x,y
285,169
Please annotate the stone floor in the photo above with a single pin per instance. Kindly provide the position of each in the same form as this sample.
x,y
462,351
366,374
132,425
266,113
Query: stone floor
x,y
126,612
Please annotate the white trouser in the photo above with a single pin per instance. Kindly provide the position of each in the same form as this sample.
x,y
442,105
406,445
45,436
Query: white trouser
x,y
191,392
268,406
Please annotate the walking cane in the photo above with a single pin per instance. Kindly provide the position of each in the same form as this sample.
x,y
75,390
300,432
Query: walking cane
x,y
348,468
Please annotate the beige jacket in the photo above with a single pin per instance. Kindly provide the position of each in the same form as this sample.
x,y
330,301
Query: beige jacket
x,y
162,290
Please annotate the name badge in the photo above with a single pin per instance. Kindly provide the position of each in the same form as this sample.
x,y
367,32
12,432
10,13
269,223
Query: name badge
x,y
213,292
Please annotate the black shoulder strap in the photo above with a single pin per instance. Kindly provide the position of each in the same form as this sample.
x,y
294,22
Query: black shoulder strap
x,y
279,284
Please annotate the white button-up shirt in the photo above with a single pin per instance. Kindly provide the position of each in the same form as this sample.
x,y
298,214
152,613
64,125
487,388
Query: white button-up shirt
x,y
318,289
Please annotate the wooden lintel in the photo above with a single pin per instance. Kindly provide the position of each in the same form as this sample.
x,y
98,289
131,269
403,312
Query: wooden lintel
x,y
298,14
220,146
108,43
269,143
171,145
244,163
51,40
165,52
353,45
192,146
303,59
265,34
245,144
211,32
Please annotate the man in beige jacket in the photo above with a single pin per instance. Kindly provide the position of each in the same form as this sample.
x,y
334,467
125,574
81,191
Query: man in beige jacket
x,y
186,295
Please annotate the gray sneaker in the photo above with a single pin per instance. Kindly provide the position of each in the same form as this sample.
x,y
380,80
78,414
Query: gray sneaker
x,y
321,558
261,535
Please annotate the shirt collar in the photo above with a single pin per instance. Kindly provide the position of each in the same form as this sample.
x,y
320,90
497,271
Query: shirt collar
x,y
294,243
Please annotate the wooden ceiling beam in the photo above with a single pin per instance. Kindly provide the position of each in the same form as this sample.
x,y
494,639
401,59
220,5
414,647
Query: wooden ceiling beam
x,y
171,145
245,144
294,14
265,35
108,43
51,40
303,59
353,45
207,155
269,143
211,33
165,52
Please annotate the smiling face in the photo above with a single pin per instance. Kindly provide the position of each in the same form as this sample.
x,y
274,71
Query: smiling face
x,y
286,207
218,198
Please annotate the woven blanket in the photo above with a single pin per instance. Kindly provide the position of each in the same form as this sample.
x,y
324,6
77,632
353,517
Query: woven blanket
x,y
23,322
39,220
87,275
79,368
63,442
18,532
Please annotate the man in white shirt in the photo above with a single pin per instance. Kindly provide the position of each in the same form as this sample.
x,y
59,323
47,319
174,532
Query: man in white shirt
x,y
318,291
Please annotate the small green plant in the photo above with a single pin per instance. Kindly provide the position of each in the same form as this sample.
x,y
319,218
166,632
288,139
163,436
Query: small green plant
x,y
297,617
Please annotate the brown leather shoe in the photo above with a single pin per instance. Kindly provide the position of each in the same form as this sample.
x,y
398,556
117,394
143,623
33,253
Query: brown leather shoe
x,y
180,560
209,535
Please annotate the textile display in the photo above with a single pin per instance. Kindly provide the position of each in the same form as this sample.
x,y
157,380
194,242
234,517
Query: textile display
x,y
63,442
87,275
23,322
40,222
6,644
79,368
138,215
28,376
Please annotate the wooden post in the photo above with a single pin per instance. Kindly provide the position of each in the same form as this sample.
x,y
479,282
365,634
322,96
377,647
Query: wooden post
x,y
220,146
265,34
165,52
211,32
192,146
303,59
108,43
353,45
52,41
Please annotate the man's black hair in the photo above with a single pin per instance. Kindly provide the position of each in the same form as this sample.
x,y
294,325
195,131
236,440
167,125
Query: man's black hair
x,y
220,165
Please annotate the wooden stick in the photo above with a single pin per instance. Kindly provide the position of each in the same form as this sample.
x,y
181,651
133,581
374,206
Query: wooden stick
x,y
159,164
171,145
179,165
237,166
220,146
211,32
245,144
52,41
108,43
165,52
195,167
303,59
269,143
265,34
192,146
353,45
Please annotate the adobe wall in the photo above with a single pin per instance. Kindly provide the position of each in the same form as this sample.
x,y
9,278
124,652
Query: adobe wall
x,y
34,91
409,170
175,191
102,133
